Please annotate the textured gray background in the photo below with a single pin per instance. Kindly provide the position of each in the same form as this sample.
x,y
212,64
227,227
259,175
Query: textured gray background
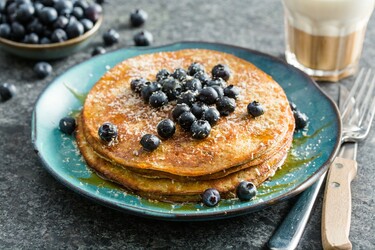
x,y
37,212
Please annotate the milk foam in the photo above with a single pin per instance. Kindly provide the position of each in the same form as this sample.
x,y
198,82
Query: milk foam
x,y
328,17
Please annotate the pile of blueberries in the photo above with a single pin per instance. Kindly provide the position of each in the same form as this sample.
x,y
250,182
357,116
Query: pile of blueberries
x,y
195,92
46,21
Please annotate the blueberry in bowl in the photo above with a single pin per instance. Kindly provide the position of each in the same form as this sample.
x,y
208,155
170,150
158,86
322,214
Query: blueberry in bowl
x,y
49,31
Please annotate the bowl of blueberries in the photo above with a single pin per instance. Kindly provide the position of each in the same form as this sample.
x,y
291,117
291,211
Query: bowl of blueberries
x,y
47,29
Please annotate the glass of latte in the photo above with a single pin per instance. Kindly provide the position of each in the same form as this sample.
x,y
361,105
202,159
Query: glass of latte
x,y
324,38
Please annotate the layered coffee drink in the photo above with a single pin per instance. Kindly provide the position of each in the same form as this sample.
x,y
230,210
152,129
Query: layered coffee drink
x,y
324,38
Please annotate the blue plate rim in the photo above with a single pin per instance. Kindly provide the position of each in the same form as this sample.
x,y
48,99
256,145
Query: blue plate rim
x,y
213,215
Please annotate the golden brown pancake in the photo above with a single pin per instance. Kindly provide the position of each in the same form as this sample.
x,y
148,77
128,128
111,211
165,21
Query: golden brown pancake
x,y
236,140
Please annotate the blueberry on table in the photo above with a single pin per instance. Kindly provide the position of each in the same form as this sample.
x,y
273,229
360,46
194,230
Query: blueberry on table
x,y
208,95
301,119
179,109
198,109
226,105
58,36
7,91
212,115
111,37
187,97
143,38
48,15
255,109
211,197
186,119
98,51
222,71
179,74
166,128
107,132
93,12
162,74
42,69
200,129
158,99
195,68
232,91
150,142
138,17
246,190
67,125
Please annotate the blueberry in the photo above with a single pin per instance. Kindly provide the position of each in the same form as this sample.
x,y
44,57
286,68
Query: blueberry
x,y
45,40
179,109
42,69
198,109
179,74
107,132
31,38
137,84
172,88
255,109
232,91
293,106
187,97
203,77
66,13
226,105
74,29
166,128
222,71
147,90
98,51
301,119
93,12
158,99
67,125
58,36
63,5
192,84
219,90
216,82
61,22
162,74
25,12
18,31
150,142
200,129
211,197
38,7
143,38
48,15
186,119
78,12
81,3
195,68
87,24
208,95
5,30
211,115
111,37
7,91
138,17
246,190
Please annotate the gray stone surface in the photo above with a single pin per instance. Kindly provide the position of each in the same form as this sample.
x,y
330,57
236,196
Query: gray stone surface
x,y
37,212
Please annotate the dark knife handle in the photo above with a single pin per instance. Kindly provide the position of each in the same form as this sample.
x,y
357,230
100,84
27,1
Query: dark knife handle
x,y
289,232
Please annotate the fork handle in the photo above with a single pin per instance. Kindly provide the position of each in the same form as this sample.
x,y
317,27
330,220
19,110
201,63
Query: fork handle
x,y
337,204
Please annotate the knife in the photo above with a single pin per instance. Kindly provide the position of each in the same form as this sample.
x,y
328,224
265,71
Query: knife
x,y
288,234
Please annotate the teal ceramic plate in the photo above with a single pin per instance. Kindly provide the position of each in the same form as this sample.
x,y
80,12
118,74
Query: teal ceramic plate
x,y
313,149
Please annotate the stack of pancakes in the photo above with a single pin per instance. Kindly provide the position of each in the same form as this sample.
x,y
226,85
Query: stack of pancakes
x,y
239,147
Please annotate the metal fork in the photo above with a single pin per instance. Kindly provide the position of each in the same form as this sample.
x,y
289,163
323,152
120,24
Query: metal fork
x,y
288,234
357,114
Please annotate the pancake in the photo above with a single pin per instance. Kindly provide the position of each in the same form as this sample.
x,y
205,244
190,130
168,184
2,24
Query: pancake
x,y
236,140
173,190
